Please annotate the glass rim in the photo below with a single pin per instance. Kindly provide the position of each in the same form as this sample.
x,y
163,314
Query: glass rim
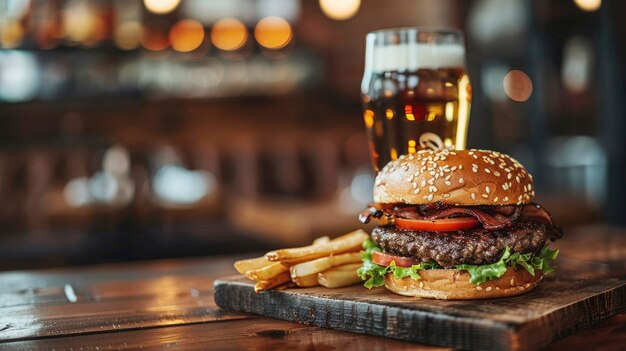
x,y
432,30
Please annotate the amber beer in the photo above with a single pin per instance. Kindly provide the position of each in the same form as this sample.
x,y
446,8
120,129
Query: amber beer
x,y
415,92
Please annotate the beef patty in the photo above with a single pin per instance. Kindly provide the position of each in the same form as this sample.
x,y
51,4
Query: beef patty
x,y
448,249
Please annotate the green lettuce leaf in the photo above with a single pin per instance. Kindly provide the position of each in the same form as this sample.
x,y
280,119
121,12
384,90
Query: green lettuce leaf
x,y
374,275
482,273
541,261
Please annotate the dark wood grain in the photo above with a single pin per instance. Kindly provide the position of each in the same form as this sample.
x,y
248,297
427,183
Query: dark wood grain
x,y
170,304
560,306
109,299
249,334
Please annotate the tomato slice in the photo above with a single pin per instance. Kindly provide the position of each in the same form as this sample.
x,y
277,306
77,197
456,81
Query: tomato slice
x,y
384,259
437,225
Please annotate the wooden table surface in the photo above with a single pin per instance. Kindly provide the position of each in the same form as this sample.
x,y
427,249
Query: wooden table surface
x,y
169,304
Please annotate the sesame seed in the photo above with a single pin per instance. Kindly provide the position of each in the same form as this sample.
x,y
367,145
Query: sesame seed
x,y
504,186
484,196
496,199
475,170
487,170
474,165
447,182
497,288
496,173
460,166
448,177
506,198
479,288
487,189
512,281
461,180
446,195
423,183
416,191
432,189
488,288
517,179
421,284
473,196
509,176
430,197
425,197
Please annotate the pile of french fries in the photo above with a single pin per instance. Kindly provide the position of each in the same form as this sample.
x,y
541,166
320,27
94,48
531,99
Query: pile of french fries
x,y
330,263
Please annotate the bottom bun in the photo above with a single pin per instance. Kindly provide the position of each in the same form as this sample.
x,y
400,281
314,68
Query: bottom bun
x,y
452,284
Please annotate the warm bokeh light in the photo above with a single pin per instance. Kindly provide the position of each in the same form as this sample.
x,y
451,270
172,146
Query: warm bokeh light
x,y
161,6
11,34
340,9
127,35
186,35
229,34
589,5
517,85
86,26
154,39
408,112
412,146
389,114
368,118
273,32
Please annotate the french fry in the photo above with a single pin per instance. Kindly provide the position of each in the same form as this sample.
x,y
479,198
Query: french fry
x,y
346,243
306,281
267,272
273,282
339,276
243,266
347,267
322,264
321,240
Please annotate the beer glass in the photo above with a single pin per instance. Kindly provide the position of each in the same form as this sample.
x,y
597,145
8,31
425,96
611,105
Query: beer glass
x,y
415,92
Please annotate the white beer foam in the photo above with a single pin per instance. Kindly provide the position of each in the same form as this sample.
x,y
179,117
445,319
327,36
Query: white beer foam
x,y
413,56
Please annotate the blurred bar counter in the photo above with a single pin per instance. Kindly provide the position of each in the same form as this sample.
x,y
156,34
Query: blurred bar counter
x,y
134,130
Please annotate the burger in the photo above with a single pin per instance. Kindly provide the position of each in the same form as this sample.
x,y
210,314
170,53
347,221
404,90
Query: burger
x,y
457,224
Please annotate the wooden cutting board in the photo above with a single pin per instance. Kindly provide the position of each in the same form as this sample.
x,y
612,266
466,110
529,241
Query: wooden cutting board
x,y
559,306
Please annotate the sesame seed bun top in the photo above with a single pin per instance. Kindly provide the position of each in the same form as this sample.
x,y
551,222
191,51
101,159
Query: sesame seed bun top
x,y
457,177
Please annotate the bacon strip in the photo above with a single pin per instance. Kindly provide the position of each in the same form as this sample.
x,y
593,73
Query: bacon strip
x,y
536,213
489,222
491,217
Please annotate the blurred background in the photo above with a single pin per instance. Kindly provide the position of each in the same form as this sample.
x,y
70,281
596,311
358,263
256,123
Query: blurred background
x,y
135,129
